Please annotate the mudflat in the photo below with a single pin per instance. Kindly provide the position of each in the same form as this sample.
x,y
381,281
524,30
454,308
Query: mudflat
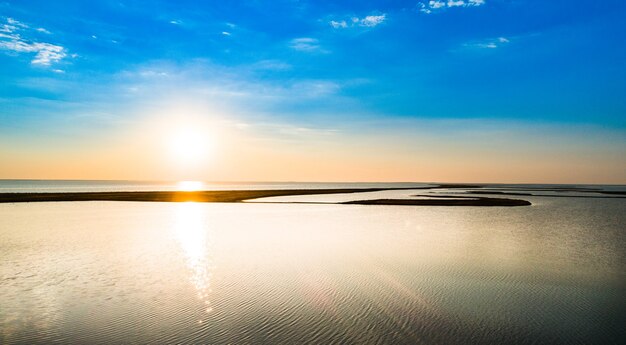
x,y
174,196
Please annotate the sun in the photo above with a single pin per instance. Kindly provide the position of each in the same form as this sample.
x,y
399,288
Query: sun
x,y
188,146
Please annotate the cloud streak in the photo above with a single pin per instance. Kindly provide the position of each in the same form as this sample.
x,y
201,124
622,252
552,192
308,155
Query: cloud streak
x,y
433,6
305,44
491,43
367,21
12,41
46,53
371,21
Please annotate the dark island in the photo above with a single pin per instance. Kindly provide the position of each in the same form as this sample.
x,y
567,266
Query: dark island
x,y
443,202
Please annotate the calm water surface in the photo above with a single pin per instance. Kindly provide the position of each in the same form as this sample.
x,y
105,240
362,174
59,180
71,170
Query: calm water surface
x,y
49,186
251,273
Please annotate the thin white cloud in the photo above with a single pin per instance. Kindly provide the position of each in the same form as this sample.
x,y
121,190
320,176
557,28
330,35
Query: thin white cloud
x,y
459,3
371,21
235,85
46,53
271,65
287,131
338,24
226,33
305,44
12,40
12,26
42,30
16,23
316,88
491,43
367,21
436,4
433,6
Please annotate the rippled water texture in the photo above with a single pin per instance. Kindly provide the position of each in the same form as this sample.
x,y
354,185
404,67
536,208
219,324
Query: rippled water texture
x,y
115,272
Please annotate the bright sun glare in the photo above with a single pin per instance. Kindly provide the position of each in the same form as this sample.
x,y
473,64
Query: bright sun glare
x,y
188,146
189,186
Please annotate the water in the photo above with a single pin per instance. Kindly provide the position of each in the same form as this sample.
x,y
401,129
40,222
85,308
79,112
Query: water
x,y
49,186
141,273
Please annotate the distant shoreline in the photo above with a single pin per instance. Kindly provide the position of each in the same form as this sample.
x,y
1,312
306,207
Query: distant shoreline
x,y
177,196
470,195
234,196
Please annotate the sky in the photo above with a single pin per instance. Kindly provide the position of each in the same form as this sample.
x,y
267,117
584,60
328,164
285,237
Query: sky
x,y
512,91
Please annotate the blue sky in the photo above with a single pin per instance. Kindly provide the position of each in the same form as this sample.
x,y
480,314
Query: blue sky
x,y
75,67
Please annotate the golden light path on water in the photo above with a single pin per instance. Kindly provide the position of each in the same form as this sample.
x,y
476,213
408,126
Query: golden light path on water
x,y
195,241
261,273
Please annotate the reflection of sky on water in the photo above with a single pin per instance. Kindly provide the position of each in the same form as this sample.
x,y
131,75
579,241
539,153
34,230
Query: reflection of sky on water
x,y
35,306
194,238
113,272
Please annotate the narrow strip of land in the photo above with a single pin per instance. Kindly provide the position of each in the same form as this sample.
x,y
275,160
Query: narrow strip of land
x,y
473,195
177,196
479,201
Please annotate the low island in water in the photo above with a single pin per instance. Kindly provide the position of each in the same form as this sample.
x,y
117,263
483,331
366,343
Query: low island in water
x,y
243,195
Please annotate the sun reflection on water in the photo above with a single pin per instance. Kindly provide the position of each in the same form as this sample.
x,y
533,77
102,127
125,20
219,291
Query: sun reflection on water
x,y
194,239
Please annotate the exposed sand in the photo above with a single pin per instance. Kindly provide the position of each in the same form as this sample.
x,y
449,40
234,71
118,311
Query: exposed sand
x,y
242,195
175,196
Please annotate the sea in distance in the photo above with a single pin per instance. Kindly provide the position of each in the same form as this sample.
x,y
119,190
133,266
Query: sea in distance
x,y
307,270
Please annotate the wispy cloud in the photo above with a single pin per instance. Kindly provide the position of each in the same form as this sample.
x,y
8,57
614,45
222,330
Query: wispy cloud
x,y
367,21
12,25
11,40
242,89
371,21
491,43
338,24
46,53
305,44
433,6
271,65
42,30
315,88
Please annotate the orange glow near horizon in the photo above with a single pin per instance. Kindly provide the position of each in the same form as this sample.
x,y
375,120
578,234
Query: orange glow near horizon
x,y
189,141
189,186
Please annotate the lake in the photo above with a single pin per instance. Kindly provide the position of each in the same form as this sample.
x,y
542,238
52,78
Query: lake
x,y
252,273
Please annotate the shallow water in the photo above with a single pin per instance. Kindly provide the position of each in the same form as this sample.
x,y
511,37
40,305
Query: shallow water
x,y
131,272
50,186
